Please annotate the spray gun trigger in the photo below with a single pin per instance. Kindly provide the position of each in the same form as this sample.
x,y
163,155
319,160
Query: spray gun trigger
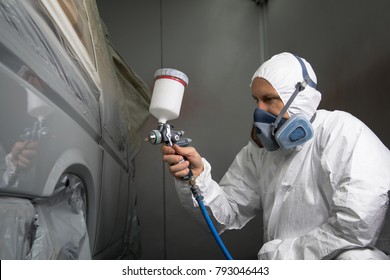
x,y
169,135
188,176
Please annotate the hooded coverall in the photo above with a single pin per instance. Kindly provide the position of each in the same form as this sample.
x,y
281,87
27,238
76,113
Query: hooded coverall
x,y
326,198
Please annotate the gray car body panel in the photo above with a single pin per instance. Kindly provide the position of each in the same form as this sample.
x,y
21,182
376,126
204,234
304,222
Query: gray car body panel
x,y
86,132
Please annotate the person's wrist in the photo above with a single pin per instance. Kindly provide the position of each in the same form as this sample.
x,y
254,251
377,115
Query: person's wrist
x,y
197,171
14,160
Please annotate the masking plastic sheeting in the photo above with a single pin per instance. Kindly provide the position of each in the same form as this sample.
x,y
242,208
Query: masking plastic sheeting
x,y
124,96
61,231
132,239
121,88
44,27
134,102
84,76
53,228
16,216
24,23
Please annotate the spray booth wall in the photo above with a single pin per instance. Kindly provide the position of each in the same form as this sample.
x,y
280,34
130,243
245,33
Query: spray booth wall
x,y
219,44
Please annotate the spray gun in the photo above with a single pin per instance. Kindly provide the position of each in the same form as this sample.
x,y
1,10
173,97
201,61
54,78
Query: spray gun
x,y
39,109
165,134
38,132
36,108
165,105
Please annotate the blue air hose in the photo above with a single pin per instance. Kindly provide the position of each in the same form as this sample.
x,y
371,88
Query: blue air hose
x,y
199,199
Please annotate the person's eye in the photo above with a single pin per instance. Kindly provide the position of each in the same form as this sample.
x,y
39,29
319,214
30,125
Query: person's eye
x,y
269,99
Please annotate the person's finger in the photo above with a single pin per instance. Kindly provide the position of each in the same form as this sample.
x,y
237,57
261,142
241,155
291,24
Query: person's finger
x,y
18,146
182,173
179,167
167,150
31,145
172,159
29,154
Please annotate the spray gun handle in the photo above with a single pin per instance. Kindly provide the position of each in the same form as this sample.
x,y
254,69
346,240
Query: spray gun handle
x,y
184,142
188,176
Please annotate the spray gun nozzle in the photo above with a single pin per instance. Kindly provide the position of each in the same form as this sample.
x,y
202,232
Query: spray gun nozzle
x,y
154,137
165,134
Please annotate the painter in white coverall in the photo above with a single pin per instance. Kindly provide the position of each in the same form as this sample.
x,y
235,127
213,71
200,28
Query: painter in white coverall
x,y
326,198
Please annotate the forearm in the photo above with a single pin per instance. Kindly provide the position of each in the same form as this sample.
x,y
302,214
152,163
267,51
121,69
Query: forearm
x,y
209,189
219,198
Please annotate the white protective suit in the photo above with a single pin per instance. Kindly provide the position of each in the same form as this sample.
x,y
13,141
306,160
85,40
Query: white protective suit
x,y
325,196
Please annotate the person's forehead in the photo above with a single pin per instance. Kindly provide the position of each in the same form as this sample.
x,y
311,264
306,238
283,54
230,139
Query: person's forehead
x,y
262,86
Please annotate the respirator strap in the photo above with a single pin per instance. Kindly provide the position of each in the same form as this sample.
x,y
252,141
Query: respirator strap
x,y
313,117
305,74
298,87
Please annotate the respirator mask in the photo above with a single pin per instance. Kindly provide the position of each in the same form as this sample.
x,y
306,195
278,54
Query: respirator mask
x,y
273,132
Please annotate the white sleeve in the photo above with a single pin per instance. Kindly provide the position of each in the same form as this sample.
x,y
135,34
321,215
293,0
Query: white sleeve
x,y
9,176
235,200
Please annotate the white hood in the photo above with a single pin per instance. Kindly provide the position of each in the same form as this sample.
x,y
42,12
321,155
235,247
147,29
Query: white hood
x,y
283,72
